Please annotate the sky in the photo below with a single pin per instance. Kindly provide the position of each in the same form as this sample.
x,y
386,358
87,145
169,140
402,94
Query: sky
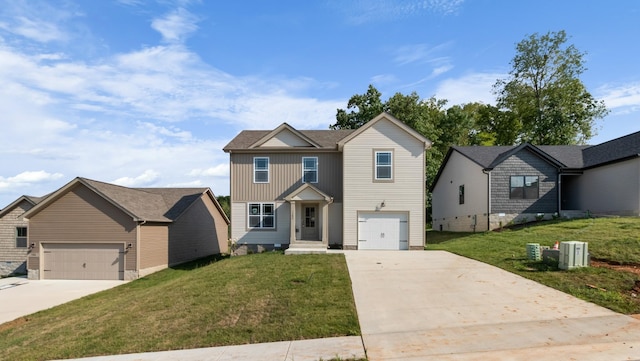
x,y
147,93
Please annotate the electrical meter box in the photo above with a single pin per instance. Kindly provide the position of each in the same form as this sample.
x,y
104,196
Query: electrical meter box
x,y
573,254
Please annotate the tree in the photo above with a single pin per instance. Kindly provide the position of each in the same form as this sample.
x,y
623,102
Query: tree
x,y
360,109
545,94
225,203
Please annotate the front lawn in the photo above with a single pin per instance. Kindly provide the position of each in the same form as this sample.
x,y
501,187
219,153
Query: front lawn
x,y
613,240
249,299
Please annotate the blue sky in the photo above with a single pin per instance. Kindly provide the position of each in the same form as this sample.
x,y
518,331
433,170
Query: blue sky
x,y
146,93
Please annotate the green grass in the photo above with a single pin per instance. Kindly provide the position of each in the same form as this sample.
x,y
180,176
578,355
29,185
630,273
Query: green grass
x,y
612,239
250,299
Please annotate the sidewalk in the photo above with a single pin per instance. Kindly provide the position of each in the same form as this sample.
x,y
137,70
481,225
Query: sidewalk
x,y
301,350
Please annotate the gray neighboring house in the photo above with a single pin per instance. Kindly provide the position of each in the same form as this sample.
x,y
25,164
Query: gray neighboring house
x,y
312,189
94,230
483,188
13,236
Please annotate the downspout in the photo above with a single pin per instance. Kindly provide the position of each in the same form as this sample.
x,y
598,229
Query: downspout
x,y
559,192
138,245
488,173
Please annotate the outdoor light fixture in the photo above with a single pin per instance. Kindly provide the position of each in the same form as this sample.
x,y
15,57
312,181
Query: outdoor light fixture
x,y
32,246
129,246
382,204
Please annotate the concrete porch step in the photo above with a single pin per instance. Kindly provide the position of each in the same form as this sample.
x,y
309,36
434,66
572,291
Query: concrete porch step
x,y
306,250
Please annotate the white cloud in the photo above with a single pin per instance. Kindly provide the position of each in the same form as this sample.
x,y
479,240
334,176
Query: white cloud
x,y
176,25
475,87
149,177
623,99
360,12
27,178
39,21
221,170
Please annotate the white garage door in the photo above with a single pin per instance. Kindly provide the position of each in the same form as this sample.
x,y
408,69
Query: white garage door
x,y
83,261
383,231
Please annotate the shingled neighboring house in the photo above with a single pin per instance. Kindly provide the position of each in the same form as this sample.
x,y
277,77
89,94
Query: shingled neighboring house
x,y
93,230
480,188
311,189
13,236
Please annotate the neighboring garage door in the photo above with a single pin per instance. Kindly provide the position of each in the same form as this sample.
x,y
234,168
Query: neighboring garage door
x,y
383,231
69,261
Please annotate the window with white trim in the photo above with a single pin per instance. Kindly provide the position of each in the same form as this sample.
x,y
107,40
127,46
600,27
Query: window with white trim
x,y
384,165
261,170
21,237
309,169
262,215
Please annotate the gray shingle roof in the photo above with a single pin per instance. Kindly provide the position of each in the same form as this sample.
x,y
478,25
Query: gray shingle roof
x,y
327,139
566,157
151,204
613,150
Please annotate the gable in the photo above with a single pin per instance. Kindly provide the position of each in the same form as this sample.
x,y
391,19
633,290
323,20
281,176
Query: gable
x,y
285,139
82,206
386,124
386,134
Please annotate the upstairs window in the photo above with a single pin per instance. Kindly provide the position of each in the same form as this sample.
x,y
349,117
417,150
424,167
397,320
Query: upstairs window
x,y
261,170
524,187
262,215
384,165
21,237
310,170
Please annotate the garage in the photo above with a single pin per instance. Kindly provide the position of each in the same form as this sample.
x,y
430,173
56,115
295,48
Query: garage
x,y
383,231
83,261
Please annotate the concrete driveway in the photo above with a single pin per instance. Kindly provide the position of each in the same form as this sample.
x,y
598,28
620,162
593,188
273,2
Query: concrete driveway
x,y
434,305
20,297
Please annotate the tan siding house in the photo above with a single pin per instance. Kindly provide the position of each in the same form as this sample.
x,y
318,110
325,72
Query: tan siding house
x,y
14,247
94,230
313,189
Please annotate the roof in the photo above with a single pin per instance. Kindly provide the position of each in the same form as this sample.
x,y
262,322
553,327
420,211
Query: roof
x,y
326,139
30,199
614,150
565,157
321,139
142,204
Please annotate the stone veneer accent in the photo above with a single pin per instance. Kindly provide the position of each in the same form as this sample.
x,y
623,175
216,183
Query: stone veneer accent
x,y
10,268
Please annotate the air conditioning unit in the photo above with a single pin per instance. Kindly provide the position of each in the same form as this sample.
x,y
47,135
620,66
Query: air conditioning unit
x,y
573,254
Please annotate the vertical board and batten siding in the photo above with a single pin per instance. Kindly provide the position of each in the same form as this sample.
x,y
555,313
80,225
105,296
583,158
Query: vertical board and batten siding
x,y
524,163
154,245
447,210
611,189
242,235
285,175
199,232
12,258
405,194
82,216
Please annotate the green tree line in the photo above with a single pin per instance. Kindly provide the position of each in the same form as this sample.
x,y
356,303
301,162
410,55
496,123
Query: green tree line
x,y
542,101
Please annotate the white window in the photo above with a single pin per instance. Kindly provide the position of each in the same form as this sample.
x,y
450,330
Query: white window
x,y
261,170
21,237
309,169
384,165
262,215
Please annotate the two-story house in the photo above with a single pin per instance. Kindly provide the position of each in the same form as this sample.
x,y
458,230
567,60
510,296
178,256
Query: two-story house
x,y
352,189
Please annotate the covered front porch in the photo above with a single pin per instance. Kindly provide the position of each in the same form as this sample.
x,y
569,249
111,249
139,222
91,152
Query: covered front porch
x,y
309,232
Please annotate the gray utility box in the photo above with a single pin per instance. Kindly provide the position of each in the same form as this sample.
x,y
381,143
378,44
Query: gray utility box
x,y
573,254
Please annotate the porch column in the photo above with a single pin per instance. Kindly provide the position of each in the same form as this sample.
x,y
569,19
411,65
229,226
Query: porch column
x,y
292,231
325,223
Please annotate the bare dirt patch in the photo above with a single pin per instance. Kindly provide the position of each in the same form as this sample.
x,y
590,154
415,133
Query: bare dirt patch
x,y
633,268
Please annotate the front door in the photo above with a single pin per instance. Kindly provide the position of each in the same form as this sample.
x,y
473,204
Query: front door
x,y
309,222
